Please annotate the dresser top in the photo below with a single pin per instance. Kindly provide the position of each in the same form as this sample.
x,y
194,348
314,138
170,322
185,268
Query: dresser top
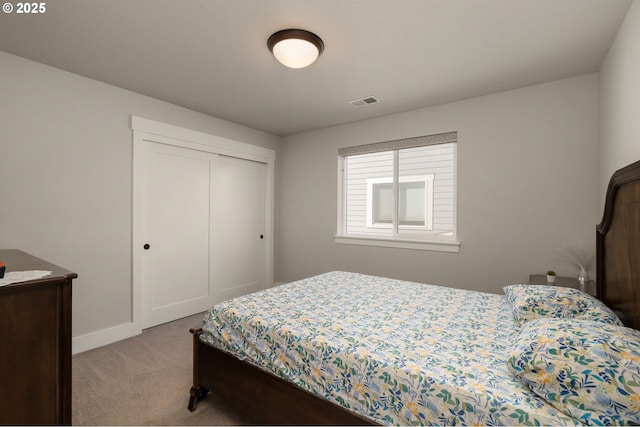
x,y
17,260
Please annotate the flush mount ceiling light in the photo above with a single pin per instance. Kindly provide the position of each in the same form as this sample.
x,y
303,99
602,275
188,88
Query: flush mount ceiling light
x,y
295,48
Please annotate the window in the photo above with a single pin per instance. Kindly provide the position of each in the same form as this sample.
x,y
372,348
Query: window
x,y
399,193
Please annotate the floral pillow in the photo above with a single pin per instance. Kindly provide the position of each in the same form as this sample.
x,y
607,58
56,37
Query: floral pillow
x,y
587,370
531,302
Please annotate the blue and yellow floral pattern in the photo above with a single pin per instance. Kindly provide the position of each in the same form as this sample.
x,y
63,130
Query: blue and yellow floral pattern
x,y
393,351
588,370
535,301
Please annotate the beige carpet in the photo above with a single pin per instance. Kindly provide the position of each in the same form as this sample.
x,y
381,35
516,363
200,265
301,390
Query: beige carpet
x,y
144,380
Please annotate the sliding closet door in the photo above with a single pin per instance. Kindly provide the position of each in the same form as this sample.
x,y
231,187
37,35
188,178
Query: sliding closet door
x,y
202,221
177,250
239,220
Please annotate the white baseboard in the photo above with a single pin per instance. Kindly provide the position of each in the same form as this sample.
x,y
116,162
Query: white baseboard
x,y
105,336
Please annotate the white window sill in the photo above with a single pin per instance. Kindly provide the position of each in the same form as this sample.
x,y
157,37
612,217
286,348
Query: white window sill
x,y
423,245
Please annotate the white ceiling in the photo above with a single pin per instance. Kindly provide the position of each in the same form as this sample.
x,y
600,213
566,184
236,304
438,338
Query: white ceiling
x,y
211,55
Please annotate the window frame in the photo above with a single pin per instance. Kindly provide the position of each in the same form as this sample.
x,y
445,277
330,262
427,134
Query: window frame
x,y
442,243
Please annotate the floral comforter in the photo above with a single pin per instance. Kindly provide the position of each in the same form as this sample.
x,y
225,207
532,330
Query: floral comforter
x,y
393,351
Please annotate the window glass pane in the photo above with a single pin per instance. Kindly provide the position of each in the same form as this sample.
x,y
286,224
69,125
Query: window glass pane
x,y
382,203
362,173
436,161
412,203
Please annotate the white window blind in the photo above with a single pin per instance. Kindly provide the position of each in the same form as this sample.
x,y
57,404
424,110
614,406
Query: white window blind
x,y
396,144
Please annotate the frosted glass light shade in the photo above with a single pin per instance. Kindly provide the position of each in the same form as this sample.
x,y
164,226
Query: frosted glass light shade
x,y
295,48
295,53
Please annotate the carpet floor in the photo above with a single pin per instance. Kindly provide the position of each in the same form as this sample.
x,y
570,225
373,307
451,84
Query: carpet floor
x,y
144,380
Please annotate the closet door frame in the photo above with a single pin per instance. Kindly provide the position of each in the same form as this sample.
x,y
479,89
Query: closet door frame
x,y
146,130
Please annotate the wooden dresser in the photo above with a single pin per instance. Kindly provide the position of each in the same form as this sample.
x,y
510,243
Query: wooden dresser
x,y
35,344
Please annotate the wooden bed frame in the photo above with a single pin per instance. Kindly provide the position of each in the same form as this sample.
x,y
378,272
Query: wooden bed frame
x,y
618,246
260,395
267,399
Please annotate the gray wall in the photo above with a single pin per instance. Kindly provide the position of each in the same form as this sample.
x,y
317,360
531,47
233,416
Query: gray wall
x,y
65,177
527,174
620,101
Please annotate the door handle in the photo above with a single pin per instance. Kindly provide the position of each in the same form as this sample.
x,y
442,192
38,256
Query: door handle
x,y
146,246
262,236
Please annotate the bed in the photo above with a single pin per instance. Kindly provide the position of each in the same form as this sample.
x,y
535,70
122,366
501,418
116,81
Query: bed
x,y
346,348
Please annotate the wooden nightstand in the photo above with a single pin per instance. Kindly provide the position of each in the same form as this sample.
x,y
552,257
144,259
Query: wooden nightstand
x,y
567,282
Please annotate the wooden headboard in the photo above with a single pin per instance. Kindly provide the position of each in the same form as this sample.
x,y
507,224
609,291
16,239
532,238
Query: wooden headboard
x,y
618,246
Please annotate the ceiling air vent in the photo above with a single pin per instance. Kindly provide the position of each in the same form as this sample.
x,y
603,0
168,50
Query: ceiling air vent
x,y
363,102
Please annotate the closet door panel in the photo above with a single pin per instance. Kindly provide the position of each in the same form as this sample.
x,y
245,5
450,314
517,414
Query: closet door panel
x,y
238,224
179,192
